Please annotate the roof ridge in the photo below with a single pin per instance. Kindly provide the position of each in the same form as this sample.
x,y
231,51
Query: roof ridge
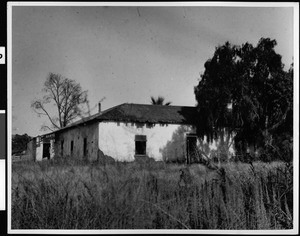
x,y
155,105
101,115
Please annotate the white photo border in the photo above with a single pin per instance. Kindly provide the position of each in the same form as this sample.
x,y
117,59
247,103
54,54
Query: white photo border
x,y
294,5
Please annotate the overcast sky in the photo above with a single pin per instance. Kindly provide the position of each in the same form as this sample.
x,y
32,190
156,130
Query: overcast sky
x,y
128,54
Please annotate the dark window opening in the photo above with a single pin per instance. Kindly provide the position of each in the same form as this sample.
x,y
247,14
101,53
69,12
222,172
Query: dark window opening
x,y
46,150
84,146
140,144
62,147
72,147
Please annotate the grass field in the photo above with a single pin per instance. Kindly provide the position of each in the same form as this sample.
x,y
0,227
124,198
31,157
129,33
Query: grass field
x,y
69,195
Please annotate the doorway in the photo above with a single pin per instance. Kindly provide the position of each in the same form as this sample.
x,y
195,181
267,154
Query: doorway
x,y
46,150
85,151
191,148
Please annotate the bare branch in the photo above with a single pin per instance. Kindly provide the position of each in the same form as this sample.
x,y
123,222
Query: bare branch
x,y
66,95
46,127
281,121
38,105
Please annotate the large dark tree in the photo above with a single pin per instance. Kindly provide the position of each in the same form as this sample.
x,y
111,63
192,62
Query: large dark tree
x,y
245,89
67,97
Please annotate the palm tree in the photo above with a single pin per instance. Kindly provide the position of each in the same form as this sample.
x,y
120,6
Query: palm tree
x,y
159,101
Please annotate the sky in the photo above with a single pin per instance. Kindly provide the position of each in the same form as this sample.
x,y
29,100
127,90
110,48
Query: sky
x,y
128,54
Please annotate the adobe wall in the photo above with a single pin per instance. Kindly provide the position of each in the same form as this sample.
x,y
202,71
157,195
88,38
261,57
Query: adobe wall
x,y
118,139
39,152
31,148
77,135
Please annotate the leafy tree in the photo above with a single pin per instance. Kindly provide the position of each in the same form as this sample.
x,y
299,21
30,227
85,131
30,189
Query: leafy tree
x,y
66,95
260,94
19,143
159,101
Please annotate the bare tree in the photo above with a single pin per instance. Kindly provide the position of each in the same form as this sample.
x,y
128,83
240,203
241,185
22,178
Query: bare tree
x,y
66,95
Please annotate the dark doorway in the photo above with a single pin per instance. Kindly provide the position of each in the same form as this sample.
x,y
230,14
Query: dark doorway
x,y
62,147
140,144
85,147
46,150
191,148
72,147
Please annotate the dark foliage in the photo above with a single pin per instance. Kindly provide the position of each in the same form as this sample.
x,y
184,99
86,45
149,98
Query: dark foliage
x,y
245,89
159,101
19,143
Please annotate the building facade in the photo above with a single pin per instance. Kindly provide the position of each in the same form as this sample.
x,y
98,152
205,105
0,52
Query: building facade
x,y
125,133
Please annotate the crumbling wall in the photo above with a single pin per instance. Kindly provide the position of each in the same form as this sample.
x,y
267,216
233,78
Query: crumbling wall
x,y
77,135
31,149
39,152
52,148
118,139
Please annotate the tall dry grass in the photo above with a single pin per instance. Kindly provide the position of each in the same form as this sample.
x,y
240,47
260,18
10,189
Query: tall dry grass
x,y
73,195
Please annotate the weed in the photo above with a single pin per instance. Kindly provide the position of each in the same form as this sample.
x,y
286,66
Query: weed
x,y
75,195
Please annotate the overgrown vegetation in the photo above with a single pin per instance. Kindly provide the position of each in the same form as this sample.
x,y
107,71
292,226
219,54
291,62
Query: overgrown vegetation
x,y
156,195
246,89
243,95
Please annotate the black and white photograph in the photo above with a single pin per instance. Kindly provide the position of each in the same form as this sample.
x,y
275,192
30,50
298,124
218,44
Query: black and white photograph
x,y
145,117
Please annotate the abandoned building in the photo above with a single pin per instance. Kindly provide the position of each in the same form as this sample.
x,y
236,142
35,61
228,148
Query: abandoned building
x,y
124,132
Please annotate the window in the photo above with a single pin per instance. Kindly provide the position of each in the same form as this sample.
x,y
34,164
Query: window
x,y
72,147
140,144
191,148
62,147
84,146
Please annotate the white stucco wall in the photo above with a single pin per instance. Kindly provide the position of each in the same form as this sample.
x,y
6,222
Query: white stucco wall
x,y
117,139
52,149
40,148
39,152
118,142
